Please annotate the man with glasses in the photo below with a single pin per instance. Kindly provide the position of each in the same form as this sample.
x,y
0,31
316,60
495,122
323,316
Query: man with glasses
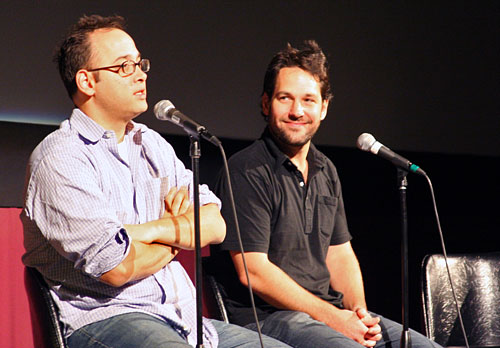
x,y
108,206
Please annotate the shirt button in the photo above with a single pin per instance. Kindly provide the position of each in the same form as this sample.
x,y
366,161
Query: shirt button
x,y
301,184
107,135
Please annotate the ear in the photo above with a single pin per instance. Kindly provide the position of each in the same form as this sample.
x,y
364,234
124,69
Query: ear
x,y
324,109
85,82
266,104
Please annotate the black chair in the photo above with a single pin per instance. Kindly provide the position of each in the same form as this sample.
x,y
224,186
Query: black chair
x,y
476,280
212,292
46,327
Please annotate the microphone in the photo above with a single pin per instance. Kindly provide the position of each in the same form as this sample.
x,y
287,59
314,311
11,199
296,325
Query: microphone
x,y
166,111
367,142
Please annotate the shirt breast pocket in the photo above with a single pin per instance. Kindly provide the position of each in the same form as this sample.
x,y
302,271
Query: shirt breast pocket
x,y
327,208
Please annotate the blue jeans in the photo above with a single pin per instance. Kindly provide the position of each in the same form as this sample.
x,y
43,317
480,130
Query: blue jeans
x,y
139,330
299,330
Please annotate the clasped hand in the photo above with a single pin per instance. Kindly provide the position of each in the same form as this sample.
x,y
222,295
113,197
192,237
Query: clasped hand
x,y
372,323
358,325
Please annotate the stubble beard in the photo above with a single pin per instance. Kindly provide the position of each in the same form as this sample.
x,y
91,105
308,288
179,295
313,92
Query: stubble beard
x,y
293,139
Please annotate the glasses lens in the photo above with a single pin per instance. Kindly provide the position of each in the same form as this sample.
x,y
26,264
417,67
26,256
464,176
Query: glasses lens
x,y
128,67
144,65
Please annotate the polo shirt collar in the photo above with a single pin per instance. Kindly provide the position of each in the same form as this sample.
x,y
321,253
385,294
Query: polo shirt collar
x,y
316,159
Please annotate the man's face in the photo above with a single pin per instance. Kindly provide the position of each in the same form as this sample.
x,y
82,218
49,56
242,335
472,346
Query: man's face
x,y
116,94
296,109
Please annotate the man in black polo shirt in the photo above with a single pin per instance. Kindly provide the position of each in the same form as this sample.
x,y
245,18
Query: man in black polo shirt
x,y
293,227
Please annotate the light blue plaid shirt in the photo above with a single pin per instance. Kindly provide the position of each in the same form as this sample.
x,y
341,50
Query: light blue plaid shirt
x,y
79,194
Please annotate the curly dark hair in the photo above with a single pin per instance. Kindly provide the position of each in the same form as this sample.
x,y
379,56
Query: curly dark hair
x,y
74,51
308,57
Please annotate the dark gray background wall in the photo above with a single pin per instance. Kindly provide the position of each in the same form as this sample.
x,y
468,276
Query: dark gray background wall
x,y
420,76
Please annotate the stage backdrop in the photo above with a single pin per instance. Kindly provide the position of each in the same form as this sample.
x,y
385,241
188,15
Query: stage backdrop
x,y
420,76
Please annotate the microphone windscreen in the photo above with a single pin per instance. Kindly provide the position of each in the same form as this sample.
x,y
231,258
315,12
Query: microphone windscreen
x,y
365,141
162,108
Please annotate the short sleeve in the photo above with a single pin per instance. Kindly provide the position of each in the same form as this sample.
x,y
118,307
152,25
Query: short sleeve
x,y
253,207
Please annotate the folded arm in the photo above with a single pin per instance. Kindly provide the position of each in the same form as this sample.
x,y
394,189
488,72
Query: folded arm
x,y
155,243
178,230
142,260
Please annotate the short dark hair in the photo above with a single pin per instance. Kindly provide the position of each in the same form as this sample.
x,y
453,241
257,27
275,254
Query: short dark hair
x,y
74,51
308,57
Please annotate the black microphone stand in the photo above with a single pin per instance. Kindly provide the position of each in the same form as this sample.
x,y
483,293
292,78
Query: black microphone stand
x,y
195,154
403,183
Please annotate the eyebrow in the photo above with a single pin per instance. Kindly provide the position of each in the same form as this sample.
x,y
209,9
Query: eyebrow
x,y
128,57
278,93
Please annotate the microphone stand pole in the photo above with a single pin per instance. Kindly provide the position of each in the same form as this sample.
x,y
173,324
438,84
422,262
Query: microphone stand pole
x,y
403,183
195,154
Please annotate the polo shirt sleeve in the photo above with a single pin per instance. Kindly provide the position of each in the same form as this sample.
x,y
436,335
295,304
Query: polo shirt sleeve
x,y
340,233
253,207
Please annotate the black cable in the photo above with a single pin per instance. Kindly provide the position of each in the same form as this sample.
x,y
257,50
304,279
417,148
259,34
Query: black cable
x,y
233,210
446,261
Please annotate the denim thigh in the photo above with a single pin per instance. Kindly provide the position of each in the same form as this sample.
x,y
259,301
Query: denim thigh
x,y
231,336
130,330
391,336
299,330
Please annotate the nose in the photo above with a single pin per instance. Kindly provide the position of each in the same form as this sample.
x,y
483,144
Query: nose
x,y
297,109
141,75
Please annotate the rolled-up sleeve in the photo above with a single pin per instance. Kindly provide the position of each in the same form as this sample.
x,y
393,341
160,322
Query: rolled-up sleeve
x,y
80,224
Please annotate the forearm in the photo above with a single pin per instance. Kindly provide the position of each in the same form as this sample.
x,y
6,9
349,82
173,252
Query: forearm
x,y
142,261
278,289
353,290
178,231
346,277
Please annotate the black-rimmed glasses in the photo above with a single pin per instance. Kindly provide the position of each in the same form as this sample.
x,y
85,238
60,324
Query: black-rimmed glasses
x,y
128,67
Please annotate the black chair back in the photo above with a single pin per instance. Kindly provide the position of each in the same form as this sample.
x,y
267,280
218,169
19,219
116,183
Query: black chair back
x,y
476,280
47,329
212,293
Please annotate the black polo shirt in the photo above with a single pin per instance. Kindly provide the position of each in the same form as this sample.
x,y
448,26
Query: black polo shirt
x,y
279,214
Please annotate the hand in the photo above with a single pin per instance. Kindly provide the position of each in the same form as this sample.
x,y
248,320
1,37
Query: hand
x,y
177,202
350,325
374,332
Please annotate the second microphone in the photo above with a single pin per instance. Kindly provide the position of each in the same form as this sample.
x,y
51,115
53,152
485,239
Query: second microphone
x,y
165,111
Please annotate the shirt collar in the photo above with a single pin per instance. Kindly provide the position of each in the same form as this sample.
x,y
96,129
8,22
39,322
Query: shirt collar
x,y
316,159
93,132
